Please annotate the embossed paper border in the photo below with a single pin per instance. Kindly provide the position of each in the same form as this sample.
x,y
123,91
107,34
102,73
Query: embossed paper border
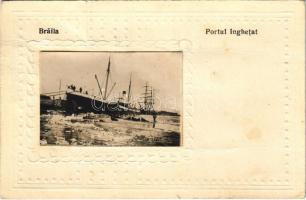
x,y
34,47
26,66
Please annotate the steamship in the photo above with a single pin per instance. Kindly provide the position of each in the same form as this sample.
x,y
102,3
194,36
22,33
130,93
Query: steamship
x,y
79,101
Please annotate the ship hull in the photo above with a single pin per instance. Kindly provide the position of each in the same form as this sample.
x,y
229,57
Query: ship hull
x,y
80,103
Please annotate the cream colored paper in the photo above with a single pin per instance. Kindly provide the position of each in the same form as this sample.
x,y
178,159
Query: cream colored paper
x,y
243,100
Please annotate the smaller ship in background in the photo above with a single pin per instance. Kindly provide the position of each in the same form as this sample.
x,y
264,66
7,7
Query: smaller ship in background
x,y
146,105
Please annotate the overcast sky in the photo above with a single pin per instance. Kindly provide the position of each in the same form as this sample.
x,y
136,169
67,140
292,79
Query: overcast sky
x,y
162,71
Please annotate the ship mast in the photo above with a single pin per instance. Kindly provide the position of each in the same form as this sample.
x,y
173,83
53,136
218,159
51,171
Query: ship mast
x,y
129,93
145,97
152,97
107,76
98,84
59,89
147,105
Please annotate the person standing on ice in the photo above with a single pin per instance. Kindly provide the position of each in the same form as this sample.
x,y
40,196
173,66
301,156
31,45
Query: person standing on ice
x,y
154,115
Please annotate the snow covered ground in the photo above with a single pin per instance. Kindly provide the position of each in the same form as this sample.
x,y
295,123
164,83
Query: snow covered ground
x,y
101,130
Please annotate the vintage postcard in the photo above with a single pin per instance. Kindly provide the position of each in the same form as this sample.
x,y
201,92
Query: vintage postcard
x,y
152,99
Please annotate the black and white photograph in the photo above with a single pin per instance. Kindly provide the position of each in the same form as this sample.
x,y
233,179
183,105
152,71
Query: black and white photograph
x,y
110,98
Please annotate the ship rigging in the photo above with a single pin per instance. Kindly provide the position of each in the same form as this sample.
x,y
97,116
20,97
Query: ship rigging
x,y
79,101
